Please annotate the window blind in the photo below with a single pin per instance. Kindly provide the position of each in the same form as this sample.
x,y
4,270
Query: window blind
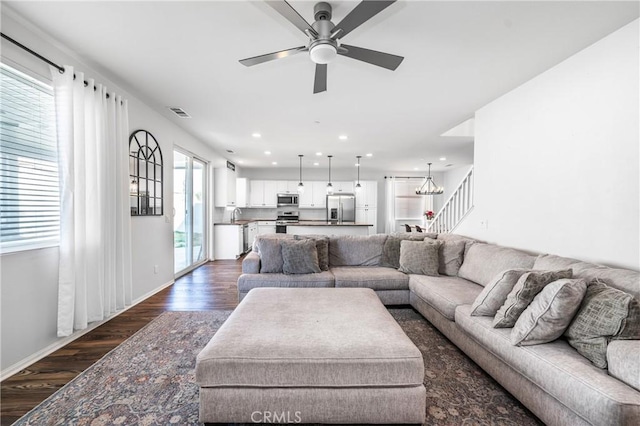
x,y
30,200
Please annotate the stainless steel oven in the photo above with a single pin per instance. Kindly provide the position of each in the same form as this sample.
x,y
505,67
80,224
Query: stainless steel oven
x,y
287,200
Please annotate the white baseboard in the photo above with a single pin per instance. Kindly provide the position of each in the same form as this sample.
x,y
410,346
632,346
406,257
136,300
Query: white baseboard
x,y
58,344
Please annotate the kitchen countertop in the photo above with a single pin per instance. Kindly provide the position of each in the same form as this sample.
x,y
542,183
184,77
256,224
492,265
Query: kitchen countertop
x,y
244,221
325,223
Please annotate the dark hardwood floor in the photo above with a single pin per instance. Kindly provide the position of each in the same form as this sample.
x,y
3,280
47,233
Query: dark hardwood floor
x,y
211,286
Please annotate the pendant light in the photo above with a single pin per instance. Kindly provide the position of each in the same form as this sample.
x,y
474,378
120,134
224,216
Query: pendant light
x,y
300,184
329,186
358,186
429,187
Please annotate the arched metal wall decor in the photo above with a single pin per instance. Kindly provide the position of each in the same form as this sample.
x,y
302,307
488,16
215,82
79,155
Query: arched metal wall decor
x,y
145,175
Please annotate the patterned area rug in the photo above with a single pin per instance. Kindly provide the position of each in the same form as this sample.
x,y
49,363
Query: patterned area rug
x,y
149,379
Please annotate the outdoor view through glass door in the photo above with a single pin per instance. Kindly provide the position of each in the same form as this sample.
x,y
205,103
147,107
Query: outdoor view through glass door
x,y
189,192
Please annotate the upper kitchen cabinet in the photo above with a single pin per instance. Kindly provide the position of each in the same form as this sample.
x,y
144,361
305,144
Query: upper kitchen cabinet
x,y
368,195
314,195
343,187
286,187
263,193
225,186
242,192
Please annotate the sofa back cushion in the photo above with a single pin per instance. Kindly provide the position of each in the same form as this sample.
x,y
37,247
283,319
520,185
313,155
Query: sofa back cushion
x,y
482,262
356,250
550,262
622,279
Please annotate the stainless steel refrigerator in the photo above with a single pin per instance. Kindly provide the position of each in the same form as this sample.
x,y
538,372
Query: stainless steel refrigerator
x,y
341,208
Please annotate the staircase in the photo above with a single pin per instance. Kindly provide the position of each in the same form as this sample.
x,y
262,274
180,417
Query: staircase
x,y
459,204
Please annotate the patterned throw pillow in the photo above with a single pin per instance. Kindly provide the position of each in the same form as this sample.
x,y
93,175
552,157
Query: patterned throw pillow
x,y
419,257
270,255
550,312
299,257
495,293
322,246
527,287
606,314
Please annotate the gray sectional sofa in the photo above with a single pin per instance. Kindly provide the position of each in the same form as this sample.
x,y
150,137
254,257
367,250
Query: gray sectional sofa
x,y
553,380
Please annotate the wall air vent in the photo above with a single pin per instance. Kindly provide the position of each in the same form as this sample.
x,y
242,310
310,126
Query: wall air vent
x,y
179,112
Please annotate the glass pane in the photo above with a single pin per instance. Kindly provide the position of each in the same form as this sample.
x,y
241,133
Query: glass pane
x,y
198,211
180,218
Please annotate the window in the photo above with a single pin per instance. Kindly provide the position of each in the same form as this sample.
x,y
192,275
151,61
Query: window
x,y
30,199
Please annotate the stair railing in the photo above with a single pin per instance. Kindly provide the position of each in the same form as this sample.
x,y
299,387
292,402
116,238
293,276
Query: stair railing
x,y
454,210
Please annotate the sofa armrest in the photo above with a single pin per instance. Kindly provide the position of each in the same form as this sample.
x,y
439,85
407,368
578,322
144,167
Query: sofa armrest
x,y
251,263
623,357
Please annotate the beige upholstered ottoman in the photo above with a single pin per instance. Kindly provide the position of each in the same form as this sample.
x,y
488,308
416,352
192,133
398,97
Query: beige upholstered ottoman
x,y
311,355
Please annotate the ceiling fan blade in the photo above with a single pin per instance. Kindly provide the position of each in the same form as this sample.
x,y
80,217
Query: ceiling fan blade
x,y
286,10
248,62
320,83
381,59
364,11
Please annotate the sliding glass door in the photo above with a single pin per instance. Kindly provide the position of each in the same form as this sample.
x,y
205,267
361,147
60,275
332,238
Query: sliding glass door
x,y
189,220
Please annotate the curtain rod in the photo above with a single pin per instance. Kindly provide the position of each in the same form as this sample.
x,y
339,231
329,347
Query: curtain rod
x,y
42,58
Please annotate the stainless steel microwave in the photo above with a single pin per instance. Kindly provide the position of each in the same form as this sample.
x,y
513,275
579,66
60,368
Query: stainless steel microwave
x,y
286,200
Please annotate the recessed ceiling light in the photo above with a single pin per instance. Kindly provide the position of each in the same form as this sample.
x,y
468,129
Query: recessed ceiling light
x,y
316,164
318,154
443,158
369,155
240,162
275,163
256,135
343,137
267,152
357,165
415,168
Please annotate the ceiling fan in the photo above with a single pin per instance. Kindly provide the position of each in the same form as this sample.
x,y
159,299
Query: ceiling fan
x,y
325,38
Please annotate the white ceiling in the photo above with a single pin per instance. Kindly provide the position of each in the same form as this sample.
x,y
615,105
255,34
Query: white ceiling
x,y
458,57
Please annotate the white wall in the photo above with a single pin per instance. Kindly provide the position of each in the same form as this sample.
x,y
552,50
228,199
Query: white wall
x,y
556,160
29,280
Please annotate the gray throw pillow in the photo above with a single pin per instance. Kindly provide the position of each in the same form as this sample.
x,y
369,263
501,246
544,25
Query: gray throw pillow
x,y
495,293
606,313
550,313
299,257
322,246
391,249
270,255
527,287
419,257
451,257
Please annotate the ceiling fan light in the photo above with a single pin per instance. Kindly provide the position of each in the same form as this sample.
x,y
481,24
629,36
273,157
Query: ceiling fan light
x,y
323,53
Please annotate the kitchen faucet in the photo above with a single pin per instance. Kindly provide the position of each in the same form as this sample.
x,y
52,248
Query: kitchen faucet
x,y
233,214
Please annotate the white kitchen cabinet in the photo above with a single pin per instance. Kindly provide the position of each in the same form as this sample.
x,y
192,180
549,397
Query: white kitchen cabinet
x,y
266,227
343,187
368,216
286,187
368,195
227,241
263,193
225,186
314,195
242,192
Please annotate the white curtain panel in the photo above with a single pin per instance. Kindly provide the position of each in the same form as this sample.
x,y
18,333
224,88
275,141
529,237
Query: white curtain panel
x,y
95,223
390,196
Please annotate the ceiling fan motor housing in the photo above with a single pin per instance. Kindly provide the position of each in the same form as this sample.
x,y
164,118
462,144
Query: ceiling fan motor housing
x,y
322,11
323,49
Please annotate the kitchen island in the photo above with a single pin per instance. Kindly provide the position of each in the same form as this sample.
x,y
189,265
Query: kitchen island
x,y
322,227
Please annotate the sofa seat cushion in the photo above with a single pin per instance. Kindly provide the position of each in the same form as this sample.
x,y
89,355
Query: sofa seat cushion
x,y
373,277
482,262
622,358
558,369
341,337
444,293
248,281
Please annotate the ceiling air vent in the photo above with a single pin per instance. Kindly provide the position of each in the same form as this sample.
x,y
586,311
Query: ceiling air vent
x,y
231,151
179,112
